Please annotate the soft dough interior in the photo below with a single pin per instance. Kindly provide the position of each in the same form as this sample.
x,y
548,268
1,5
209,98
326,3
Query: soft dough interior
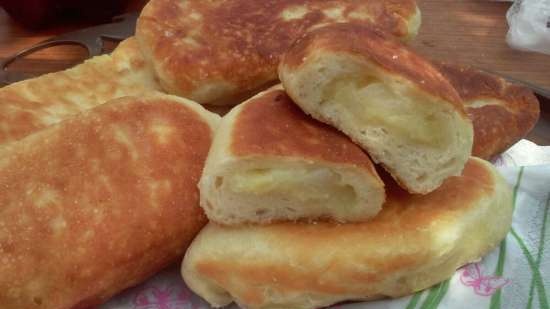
x,y
277,192
372,102
319,185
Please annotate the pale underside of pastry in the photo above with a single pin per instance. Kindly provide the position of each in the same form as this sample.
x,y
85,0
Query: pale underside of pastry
x,y
389,100
100,202
271,162
415,242
223,51
31,105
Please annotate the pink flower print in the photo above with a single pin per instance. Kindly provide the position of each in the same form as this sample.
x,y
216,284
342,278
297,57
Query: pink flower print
x,y
158,298
483,285
186,296
498,161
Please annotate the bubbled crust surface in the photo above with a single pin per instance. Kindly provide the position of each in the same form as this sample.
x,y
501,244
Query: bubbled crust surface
x,y
99,202
239,42
272,125
31,105
502,113
371,45
412,236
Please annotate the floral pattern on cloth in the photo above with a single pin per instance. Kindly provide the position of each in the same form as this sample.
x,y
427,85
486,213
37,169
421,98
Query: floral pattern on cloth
x,y
158,297
482,285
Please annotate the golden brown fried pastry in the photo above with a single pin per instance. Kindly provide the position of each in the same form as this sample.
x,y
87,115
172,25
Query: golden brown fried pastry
x,y
30,105
223,51
271,162
99,202
414,242
502,112
389,100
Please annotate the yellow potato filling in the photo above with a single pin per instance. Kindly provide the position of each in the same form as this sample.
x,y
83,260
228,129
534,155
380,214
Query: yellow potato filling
x,y
301,184
370,101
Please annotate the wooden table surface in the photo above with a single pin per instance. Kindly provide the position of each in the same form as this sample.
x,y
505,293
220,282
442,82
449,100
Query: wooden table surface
x,y
464,31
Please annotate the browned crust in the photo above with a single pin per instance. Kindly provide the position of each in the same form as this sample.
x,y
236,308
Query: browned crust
x,y
19,118
403,218
370,44
86,214
272,125
241,41
513,113
31,105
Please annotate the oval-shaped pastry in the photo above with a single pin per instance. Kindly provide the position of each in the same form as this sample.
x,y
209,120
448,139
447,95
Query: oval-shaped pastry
x,y
502,112
100,202
223,51
271,162
389,100
415,241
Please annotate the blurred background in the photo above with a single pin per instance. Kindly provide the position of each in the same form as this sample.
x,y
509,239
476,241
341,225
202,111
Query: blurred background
x,y
37,14
27,22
